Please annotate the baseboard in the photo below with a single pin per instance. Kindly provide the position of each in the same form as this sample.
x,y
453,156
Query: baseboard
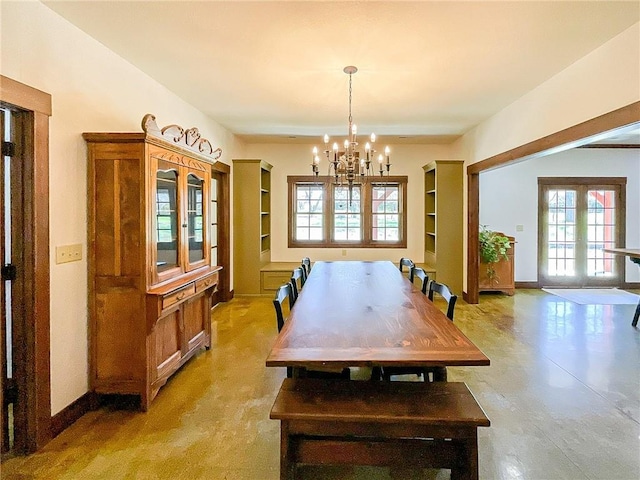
x,y
631,285
72,412
527,285
229,296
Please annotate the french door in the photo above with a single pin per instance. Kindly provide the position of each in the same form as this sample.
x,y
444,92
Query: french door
x,y
578,217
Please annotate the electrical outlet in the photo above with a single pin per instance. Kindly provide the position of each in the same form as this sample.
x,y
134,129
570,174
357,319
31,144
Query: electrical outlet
x,y
519,228
68,253
344,253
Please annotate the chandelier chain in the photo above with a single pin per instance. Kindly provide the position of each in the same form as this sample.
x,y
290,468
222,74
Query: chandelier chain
x,y
350,117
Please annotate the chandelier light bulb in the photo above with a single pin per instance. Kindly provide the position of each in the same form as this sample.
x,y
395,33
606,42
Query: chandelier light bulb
x,y
367,147
346,143
335,146
373,138
326,139
354,129
315,151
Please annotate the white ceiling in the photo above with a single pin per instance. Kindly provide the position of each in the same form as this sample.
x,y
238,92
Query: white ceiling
x,y
427,70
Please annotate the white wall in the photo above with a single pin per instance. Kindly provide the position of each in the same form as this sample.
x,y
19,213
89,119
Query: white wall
x,y
296,160
92,89
509,197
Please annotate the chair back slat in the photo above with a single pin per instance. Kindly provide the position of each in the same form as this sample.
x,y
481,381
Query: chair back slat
x,y
285,291
422,275
407,262
444,291
297,281
306,264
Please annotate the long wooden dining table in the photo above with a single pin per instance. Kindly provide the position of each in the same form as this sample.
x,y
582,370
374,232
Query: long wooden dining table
x,y
367,314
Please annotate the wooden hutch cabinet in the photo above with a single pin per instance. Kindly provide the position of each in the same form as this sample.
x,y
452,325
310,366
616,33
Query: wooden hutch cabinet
x,y
150,278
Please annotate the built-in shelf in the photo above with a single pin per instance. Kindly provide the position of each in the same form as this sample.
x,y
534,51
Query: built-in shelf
x,y
252,223
443,221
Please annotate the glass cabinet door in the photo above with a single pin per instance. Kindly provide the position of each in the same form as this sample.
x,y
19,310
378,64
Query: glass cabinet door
x,y
167,256
195,219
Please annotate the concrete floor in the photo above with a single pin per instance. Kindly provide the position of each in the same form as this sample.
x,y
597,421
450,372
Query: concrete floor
x,y
562,393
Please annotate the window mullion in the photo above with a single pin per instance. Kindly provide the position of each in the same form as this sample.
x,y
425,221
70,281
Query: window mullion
x,y
328,217
366,212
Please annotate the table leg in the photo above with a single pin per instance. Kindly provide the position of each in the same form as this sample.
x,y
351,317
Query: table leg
x,y
287,466
636,316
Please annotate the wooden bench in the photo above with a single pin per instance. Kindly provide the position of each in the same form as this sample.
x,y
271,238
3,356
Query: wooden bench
x,y
338,422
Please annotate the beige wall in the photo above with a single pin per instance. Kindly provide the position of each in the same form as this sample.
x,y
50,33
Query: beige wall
x,y
604,80
92,89
296,160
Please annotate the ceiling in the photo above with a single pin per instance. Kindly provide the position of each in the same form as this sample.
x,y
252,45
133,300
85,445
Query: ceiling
x,y
273,71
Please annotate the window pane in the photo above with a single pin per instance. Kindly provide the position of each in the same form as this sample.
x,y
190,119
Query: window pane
x,y
302,234
315,220
347,227
385,208
303,206
309,214
315,234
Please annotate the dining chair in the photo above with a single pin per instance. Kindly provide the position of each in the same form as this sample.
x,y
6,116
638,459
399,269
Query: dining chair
x,y
306,264
297,282
407,262
439,374
284,292
422,275
434,374
444,291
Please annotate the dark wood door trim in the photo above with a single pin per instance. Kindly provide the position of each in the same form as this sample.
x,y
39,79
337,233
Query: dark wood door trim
x,y
572,137
222,171
32,109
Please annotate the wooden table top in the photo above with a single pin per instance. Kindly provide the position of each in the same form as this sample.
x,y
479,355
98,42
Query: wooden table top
x,y
631,252
368,314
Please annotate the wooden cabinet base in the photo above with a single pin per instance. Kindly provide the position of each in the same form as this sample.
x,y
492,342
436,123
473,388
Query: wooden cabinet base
x,y
502,281
137,358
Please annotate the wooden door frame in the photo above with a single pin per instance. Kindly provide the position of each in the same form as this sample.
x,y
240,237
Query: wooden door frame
x,y
571,137
32,110
222,172
620,183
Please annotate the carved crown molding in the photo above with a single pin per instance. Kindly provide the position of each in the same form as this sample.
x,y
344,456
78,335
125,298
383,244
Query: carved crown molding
x,y
189,138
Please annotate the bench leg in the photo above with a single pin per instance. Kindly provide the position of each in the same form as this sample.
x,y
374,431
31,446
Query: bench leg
x,y
287,466
466,467
635,317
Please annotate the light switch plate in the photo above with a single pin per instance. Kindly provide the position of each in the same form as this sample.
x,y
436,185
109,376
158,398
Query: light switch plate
x,y
519,228
68,253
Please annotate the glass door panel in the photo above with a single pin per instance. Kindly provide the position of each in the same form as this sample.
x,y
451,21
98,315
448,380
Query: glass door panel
x,y
195,216
166,220
561,233
601,232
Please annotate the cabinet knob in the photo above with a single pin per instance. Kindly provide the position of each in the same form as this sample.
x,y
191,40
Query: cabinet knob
x,y
184,225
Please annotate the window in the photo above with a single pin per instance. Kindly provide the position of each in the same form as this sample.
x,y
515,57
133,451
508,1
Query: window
x,y
325,214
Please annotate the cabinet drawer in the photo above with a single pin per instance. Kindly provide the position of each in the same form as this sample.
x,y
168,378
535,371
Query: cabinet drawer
x,y
207,282
272,280
178,296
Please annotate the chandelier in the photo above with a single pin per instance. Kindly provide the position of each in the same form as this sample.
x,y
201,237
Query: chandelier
x,y
350,166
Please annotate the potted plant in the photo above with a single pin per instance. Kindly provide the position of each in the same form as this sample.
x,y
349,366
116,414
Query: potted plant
x,y
493,248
